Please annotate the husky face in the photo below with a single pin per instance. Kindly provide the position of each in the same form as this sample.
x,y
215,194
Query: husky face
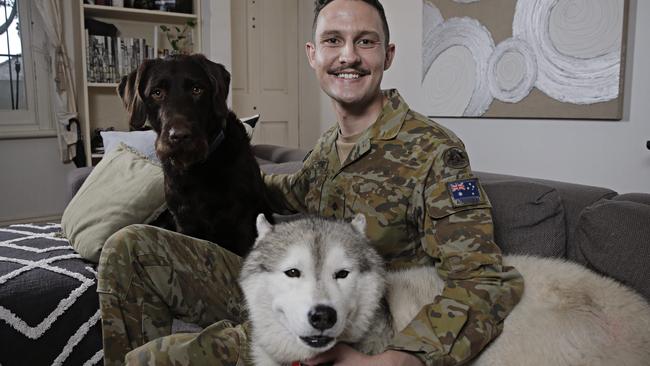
x,y
309,284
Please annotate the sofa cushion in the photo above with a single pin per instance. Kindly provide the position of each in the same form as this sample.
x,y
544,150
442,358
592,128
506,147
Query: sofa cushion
x,y
634,197
278,154
528,218
288,167
613,238
124,188
575,197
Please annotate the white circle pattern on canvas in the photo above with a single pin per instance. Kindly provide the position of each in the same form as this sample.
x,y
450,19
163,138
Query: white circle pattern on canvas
x,y
431,18
448,93
566,75
512,70
586,28
477,39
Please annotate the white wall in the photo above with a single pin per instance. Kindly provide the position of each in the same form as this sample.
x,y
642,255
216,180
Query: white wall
x,y
32,180
315,107
602,153
216,36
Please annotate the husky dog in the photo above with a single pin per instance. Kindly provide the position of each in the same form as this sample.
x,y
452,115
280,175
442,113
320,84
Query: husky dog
x,y
312,283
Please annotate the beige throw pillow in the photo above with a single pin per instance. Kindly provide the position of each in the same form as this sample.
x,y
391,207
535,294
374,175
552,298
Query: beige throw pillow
x,y
124,188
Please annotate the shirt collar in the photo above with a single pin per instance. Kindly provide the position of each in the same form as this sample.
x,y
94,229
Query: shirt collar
x,y
391,119
388,124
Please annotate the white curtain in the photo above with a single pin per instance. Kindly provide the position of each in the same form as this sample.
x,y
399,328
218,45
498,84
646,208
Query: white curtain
x,y
51,11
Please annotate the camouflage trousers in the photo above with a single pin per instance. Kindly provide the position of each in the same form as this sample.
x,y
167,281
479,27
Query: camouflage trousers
x,y
149,276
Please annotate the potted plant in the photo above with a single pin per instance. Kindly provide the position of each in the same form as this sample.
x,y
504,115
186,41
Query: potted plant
x,y
179,38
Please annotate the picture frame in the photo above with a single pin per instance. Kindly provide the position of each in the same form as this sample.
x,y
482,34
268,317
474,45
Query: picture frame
x,y
524,58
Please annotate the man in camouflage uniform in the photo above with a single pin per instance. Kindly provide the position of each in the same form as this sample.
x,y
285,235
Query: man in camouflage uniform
x,y
408,175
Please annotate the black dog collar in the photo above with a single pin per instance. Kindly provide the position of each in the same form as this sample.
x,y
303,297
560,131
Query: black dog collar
x,y
217,140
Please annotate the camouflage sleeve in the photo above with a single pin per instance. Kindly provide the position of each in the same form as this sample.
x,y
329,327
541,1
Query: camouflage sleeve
x,y
479,291
287,192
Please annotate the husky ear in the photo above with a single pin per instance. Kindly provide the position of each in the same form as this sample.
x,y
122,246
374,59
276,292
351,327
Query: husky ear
x,y
263,226
359,224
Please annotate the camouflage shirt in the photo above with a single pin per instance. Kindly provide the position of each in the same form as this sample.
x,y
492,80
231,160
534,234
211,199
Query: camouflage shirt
x,y
411,178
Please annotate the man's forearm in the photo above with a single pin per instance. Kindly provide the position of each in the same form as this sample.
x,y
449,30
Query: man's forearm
x,y
280,196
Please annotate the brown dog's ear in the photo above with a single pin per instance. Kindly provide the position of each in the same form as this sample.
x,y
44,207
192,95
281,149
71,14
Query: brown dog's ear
x,y
131,91
220,80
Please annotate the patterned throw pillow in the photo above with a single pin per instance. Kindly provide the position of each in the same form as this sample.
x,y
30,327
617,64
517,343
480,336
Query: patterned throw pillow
x,y
49,309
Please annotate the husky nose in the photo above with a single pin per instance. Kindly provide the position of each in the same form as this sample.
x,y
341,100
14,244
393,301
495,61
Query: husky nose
x,y
322,317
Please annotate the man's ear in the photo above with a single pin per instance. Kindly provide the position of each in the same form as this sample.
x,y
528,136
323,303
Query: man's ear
x,y
390,56
220,80
131,91
310,50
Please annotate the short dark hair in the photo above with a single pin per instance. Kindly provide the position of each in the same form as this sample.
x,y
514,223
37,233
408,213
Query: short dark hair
x,y
320,4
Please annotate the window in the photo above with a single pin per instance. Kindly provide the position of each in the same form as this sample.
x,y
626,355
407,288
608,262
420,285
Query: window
x,y
12,82
25,105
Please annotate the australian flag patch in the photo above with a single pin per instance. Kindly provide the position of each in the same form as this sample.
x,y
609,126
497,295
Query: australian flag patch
x,y
465,192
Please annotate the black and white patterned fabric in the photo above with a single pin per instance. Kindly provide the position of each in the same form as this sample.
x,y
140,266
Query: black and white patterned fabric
x,y
49,309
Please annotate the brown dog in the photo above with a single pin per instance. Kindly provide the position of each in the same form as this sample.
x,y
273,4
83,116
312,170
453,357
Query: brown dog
x,y
213,185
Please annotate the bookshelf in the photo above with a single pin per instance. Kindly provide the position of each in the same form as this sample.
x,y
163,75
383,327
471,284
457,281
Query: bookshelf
x,y
99,104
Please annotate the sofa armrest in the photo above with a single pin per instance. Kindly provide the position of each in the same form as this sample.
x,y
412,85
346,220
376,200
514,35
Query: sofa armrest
x,y
75,179
612,239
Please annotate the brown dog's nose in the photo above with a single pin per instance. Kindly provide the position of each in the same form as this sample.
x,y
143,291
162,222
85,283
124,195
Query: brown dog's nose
x,y
178,135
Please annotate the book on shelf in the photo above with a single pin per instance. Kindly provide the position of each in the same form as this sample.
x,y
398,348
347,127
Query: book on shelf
x,y
105,2
111,58
180,6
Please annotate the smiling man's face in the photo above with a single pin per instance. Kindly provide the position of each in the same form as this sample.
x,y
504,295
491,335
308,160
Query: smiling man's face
x,y
349,52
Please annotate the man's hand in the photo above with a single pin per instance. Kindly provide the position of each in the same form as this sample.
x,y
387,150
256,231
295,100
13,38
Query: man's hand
x,y
344,355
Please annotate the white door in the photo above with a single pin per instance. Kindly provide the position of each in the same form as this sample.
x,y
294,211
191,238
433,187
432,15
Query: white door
x,y
265,67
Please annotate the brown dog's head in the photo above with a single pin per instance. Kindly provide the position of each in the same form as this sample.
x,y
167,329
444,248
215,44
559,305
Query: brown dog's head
x,y
183,98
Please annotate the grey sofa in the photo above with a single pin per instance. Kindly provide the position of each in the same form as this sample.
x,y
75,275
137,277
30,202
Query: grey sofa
x,y
594,226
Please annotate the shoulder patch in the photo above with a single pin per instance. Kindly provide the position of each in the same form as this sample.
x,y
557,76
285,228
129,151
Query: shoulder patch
x,y
465,192
455,158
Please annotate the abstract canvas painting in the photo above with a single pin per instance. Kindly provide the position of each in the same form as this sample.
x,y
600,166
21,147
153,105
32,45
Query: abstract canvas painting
x,y
524,58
